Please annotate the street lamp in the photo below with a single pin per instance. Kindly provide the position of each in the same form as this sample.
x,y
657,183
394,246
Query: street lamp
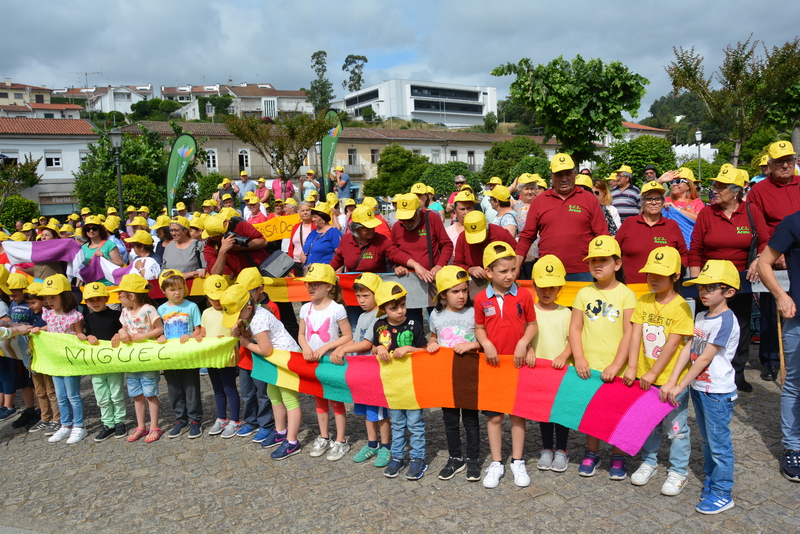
x,y
116,142
698,135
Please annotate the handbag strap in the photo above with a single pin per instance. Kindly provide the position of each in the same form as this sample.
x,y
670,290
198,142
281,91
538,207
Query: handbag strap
x,y
428,236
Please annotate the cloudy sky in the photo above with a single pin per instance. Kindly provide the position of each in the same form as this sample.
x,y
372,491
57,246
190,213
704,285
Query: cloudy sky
x,y
459,41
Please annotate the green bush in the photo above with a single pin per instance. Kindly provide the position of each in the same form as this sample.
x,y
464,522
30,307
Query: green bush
x,y
207,186
398,170
137,191
18,208
504,155
710,170
440,176
534,165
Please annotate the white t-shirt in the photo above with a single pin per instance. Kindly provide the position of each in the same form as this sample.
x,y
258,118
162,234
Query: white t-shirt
x,y
264,321
322,326
723,331
452,328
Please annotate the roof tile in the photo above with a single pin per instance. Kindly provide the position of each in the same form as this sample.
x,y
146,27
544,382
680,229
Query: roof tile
x,y
25,126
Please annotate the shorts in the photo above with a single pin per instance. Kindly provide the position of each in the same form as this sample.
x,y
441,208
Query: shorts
x,y
278,395
373,413
489,413
143,383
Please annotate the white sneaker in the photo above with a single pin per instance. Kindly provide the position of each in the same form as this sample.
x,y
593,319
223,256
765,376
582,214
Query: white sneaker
x,y
493,474
560,462
643,475
319,446
674,484
520,471
77,435
218,426
230,430
338,450
62,433
545,460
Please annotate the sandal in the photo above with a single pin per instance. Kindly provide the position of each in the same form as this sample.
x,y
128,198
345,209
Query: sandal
x,y
153,435
137,434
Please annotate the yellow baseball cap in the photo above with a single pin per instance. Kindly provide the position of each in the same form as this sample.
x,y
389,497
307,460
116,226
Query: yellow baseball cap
x,y
86,211
364,216
430,190
407,206
369,280
214,286
233,301
142,237
653,186
332,199
293,202
226,181
27,227
319,272
3,236
745,175
55,285
17,281
67,229
450,276
169,273
322,207
130,209
251,278
34,289
603,246
370,202
18,236
490,255
584,180
781,149
764,160
665,261
243,173
548,271
180,206
253,200
182,221
475,227
310,171
526,178
495,180
162,221
226,196
95,289
52,227
101,217
339,168
612,176
686,174
228,213
419,189
313,195
717,272
386,293
74,217
347,202
728,174
111,210
139,221
92,219
111,224
214,226
209,202
500,193
144,209
624,168
561,162
465,196
277,201
197,222
3,278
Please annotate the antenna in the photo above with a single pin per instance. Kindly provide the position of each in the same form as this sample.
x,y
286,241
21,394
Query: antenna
x,y
86,76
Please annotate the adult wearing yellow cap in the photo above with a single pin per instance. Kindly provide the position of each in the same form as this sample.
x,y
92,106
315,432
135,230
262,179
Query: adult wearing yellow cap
x,y
254,211
309,183
342,180
763,166
422,235
300,234
180,207
460,182
144,212
625,196
224,187
183,253
500,200
463,203
98,245
323,240
471,243
262,191
246,188
242,245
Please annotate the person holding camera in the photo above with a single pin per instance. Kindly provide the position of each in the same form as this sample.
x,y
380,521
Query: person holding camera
x,y
232,245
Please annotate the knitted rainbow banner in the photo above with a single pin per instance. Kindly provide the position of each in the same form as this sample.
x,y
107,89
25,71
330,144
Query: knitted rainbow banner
x,y
617,414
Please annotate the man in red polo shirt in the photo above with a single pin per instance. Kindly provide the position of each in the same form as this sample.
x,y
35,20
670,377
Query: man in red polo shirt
x,y
771,200
420,234
565,218
474,239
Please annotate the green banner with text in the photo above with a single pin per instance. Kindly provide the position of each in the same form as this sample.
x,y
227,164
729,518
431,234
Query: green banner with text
x,y
329,144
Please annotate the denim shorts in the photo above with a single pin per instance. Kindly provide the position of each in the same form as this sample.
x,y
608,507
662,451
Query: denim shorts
x,y
373,413
143,383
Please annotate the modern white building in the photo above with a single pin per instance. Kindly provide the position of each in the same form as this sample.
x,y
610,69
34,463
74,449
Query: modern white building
x,y
454,106
107,99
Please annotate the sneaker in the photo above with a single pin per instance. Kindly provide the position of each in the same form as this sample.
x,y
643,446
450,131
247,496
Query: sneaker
x,y
473,470
120,431
416,469
494,473
706,489
262,434
28,417
790,465
179,429
5,414
545,460
231,429
365,454
319,446
338,450
520,471
60,434
246,430
218,426
77,435
674,484
274,439
589,464
52,428
394,468
285,450
105,433
454,466
3,410
619,467
38,427
195,430
383,458
642,476
560,461
713,505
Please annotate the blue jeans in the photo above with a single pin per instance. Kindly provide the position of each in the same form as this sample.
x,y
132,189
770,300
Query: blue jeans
x,y
790,395
70,405
713,412
412,421
579,277
680,445
255,403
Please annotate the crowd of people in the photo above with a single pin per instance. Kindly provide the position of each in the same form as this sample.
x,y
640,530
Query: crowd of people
x,y
606,232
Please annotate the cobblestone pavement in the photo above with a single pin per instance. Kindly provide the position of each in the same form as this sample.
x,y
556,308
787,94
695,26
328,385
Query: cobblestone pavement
x,y
216,485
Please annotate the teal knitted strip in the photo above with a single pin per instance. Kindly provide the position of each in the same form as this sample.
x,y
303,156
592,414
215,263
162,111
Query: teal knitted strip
x,y
573,397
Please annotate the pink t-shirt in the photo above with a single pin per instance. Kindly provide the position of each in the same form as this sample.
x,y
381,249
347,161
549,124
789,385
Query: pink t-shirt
x,y
692,206
278,189
61,323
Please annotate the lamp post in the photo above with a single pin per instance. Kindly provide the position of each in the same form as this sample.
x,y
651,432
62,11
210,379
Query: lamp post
x,y
116,142
698,135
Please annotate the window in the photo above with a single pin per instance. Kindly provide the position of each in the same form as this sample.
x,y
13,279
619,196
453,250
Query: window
x,y
447,107
366,97
3,95
11,156
270,107
49,116
18,96
39,99
434,156
417,90
183,98
122,96
454,155
375,154
244,159
470,157
211,162
52,159
83,154
416,151
352,156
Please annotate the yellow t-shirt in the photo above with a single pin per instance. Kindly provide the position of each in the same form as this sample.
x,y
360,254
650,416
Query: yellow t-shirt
x,y
551,338
657,325
212,322
603,322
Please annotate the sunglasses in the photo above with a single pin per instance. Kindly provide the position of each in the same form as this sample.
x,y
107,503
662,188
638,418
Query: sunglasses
x,y
597,193
679,181
92,229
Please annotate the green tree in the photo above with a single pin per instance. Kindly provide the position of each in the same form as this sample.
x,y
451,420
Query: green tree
x,y
369,115
440,176
207,185
746,87
320,93
534,165
282,142
637,154
137,191
398,170
710,170
221,104
752,148
17,208
490,122
504,155
682,115
578,102
16,176
354,67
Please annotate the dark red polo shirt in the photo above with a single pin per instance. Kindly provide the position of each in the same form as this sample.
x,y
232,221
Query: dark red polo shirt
x,y
565,227
715,237
374,257
415,243
471,255
770,202
637,239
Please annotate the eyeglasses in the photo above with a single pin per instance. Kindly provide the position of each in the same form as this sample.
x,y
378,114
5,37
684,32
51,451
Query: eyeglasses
x,y
92,229
653,200
710,288
679,181
784,162
174,230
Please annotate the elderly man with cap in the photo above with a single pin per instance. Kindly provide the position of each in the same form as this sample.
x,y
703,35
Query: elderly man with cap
x,y
309,183
342,182
763,166
420,234
245,186
565,218
474,239
144,212
650,173
242,245
180,207
770,201
625,196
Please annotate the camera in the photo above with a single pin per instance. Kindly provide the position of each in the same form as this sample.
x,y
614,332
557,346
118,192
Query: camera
x,y
238,240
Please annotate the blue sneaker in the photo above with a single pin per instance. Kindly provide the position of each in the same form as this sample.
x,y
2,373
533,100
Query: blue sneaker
x,y
619,468
285,450
274,438
416,469
179,428
713,505
589,464
7,413
195,430
706,489
262,434
394,468
246,430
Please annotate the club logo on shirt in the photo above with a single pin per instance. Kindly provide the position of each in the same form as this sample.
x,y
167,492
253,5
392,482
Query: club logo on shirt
x,y
598,308
574,208
422,232
660,240
743,230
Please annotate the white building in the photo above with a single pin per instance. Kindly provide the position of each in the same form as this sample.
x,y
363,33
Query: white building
x,y
263,100
107,99
62,144
455,106
42,111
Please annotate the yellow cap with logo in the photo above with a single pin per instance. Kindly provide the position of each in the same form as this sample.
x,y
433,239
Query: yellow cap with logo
x,y
584,180
549,271
86,211
603,246
686,174
764,160
495,251
527,178
323,207
169,273
233,301
214,226
251,278
365,216
369,280
653,186
419,189
369,202
465,196
448,277
717,272
728,174
139,221
561,162
34,289
162,221
475,227
496,180
293,202
214,286
665,261
624,168
55,285
142,237
781,149
389,291
95,289
499,193
319,272
407,206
